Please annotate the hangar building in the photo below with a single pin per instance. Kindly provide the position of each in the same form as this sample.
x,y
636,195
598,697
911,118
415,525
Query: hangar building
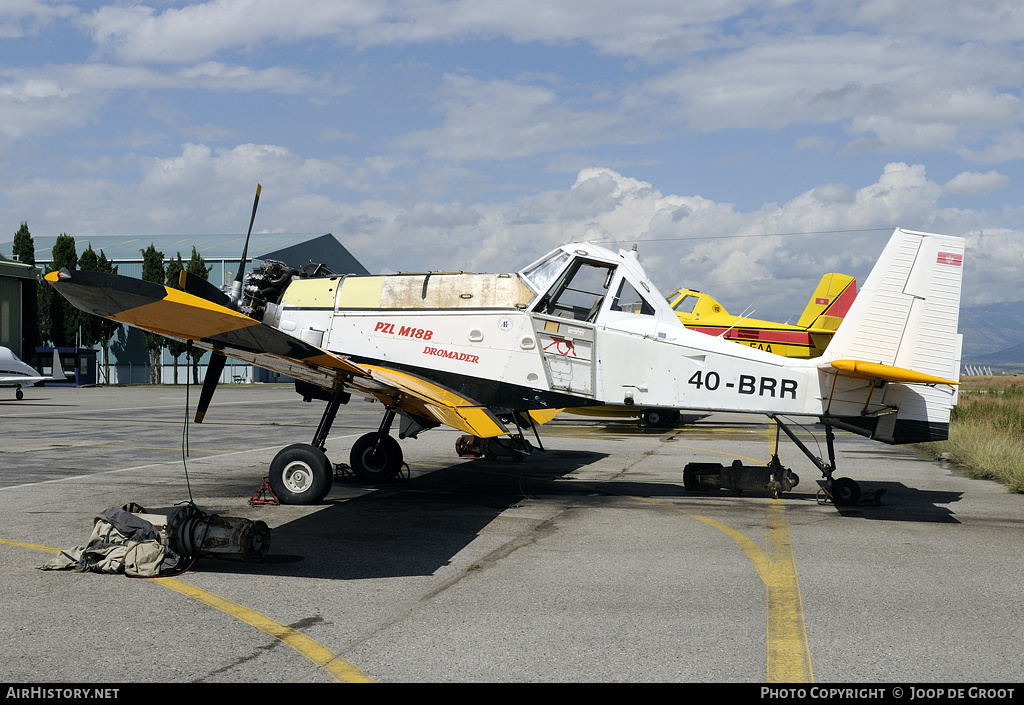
x,y
14,276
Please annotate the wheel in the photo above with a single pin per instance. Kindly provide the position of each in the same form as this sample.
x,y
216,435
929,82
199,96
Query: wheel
x,y
652,418
301,474
376,457
19,395
844,491
659,418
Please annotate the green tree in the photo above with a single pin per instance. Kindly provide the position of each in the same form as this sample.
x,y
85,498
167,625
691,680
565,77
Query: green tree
x,y
24,250
94,328
89,324
174,346
63,323
153,271
197,267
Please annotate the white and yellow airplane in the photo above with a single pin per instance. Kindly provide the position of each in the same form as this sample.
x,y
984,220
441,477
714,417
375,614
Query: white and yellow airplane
x,y
18,374
492,354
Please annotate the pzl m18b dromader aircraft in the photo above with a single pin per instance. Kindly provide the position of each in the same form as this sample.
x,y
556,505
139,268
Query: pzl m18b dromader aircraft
x,y
492,354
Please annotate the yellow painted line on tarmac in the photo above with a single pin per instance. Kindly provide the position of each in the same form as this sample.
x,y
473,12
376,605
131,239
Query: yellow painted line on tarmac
x,y
789,656
325,659
33,546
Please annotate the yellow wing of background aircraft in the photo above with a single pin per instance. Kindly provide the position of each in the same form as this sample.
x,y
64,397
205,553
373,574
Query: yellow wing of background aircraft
x,y
807,338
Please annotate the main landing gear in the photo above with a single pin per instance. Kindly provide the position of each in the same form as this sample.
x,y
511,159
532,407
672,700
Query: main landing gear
x,y
843,491
302,473
773,479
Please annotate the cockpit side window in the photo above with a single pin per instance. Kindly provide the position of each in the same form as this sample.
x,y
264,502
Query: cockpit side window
x,y
580,293
629,300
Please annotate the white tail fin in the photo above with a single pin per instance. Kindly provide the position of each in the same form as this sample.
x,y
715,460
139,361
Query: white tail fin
x,y
906,316
907,312
57,374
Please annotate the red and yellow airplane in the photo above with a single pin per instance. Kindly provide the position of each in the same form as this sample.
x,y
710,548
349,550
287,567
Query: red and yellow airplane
x,y
807,338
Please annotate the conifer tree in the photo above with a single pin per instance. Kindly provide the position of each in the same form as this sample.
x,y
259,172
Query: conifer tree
x,y
175,347
24,250
197,267
63,318
153,271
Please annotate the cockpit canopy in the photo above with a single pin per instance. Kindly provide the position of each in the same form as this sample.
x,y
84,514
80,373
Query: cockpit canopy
x,y
585,282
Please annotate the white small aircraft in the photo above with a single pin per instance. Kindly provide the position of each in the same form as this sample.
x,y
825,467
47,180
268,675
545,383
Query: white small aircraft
x,y
492,354
15,373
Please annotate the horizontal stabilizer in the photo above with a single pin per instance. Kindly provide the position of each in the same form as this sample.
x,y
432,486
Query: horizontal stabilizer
x,y
888,373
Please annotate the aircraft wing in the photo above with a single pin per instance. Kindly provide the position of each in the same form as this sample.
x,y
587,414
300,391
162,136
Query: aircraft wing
x,y
211,326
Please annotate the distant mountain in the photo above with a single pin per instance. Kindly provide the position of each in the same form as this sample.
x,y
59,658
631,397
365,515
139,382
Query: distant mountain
x,y
993,335
989,328
1008,360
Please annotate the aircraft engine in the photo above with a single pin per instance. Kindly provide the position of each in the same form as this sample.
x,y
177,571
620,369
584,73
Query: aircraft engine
x,y
711,477
191,533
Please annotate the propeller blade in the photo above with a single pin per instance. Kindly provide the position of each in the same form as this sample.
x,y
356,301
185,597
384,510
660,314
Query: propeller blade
x,y
197,286
213,371
236,286
245,249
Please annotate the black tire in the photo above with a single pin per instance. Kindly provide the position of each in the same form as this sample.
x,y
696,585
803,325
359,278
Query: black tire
x,y
652,418
19,395
376,457
301,474
659,418
845,492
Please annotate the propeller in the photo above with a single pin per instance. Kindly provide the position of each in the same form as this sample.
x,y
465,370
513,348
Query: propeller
x,y
213,372
198,286
236,287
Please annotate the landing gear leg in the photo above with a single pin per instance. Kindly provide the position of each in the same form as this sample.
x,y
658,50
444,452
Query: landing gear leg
x,y
843,490
301,473
377,457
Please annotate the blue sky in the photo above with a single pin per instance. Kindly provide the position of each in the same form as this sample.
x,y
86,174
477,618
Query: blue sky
x,y
747,146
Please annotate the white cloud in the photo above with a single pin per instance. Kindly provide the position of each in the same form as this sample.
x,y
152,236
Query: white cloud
x,y
50,98
28,17
200,30
505,120
772,255
973,183
504,96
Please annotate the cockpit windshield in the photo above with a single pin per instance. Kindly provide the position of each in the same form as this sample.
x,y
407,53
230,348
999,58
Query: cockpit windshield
x,y
686,304
540,275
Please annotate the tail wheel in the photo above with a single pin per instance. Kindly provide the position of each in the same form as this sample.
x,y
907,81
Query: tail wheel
x,y
301,474
844,491
376,457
